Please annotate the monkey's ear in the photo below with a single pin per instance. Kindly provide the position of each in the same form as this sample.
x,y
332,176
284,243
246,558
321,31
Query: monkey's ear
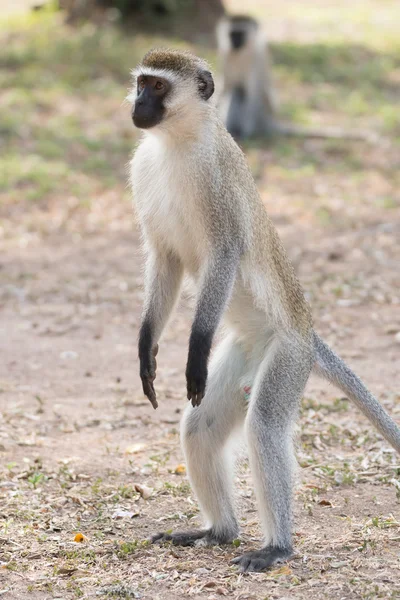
x,y
206,84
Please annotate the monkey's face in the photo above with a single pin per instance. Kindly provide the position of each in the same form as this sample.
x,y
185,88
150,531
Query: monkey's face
x,y
170,92
236,32
171,100
238,38
149,108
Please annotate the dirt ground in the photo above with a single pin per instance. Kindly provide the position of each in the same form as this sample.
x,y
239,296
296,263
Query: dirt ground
x,y
83,452
77,435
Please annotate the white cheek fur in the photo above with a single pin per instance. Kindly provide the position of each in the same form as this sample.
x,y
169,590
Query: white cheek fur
x,y
131,97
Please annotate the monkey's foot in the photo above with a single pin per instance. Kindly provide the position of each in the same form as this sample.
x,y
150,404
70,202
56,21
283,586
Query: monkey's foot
x,y
259,560
198,537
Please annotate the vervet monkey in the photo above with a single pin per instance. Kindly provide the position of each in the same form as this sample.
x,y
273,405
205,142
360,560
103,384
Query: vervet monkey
x,y
247,100
201,215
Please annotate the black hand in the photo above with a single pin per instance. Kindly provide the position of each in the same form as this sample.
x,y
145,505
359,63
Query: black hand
x,y
196,379
148,366
196,368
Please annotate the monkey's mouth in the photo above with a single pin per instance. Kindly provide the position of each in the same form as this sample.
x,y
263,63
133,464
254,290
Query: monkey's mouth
x,y
143,121
145,117
237,39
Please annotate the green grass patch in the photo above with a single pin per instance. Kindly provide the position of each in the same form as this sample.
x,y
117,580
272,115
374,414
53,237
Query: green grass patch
x,y
62,92
66,132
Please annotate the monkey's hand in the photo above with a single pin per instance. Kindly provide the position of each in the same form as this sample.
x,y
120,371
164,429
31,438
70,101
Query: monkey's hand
x,y
148,366
196,378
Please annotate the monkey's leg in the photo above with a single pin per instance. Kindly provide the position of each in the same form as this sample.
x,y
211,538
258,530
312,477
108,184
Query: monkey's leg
x,y
206,431
234,118
273,409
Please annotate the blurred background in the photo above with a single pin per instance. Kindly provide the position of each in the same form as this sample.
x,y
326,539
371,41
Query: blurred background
x,y
76,435
65,138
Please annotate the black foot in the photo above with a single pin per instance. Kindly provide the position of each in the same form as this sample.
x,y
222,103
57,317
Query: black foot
x,y
198,537
259,560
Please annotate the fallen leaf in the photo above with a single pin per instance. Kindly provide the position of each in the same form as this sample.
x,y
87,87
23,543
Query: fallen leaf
x,y
221,591
284,570
135,448
317,443
134,402
357,563
76,499
180,470
67,570
120,514
143,490
79,537
324,502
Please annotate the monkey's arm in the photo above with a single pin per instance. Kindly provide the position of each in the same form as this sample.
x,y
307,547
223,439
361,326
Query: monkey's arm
x,y
215,292
162,283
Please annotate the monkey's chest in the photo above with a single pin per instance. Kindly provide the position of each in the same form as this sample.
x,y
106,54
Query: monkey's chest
x,y
167,198
238,68
172,221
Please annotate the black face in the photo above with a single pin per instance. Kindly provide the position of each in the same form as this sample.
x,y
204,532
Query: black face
x,y
238,38
149,106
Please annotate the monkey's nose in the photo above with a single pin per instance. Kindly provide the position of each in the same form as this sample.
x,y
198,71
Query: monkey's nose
x,y
137,107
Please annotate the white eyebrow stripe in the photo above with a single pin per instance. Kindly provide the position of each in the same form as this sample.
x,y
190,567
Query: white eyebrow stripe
x,y
151,71
154,72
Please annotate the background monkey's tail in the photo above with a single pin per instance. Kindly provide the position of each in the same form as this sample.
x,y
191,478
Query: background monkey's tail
x,y
334,133
331,367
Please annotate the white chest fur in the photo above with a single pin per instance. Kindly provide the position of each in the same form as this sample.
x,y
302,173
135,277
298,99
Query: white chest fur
x,y
165,187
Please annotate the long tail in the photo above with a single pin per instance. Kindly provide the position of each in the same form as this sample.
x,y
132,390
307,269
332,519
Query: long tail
x,y
334,133
329,366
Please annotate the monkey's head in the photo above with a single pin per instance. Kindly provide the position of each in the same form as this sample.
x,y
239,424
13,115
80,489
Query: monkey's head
x,y
235,32
169,86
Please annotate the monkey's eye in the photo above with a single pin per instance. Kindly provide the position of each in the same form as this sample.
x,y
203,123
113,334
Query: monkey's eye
x,y
159,85
141,85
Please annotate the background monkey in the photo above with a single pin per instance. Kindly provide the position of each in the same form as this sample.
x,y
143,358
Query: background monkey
x,y
247,102
201,214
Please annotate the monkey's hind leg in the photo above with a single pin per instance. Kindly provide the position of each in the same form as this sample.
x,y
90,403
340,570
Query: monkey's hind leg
x,y
235,113
273,409
206,431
